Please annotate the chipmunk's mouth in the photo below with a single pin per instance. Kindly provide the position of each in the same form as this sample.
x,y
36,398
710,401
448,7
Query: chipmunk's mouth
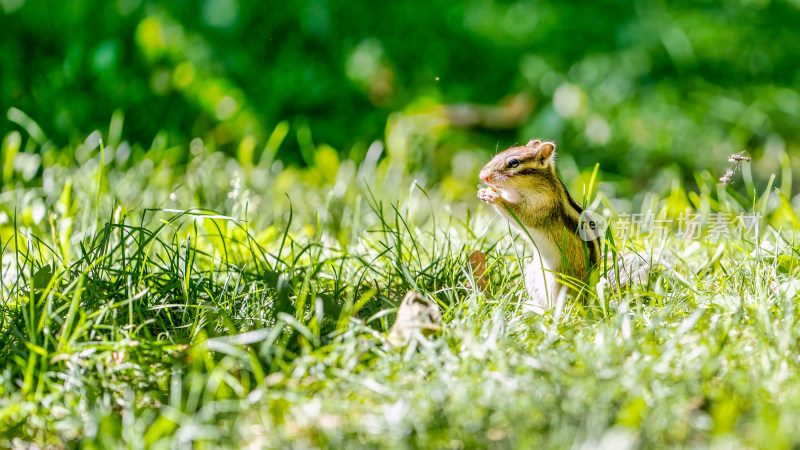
x,y
493,182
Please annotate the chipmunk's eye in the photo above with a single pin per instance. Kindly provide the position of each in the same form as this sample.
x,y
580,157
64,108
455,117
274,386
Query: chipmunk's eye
x,y
512,163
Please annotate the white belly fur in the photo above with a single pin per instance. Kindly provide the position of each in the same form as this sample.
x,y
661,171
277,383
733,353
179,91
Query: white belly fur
x,y
541,274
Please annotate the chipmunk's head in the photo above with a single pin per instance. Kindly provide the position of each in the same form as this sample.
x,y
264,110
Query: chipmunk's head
x,y
523,171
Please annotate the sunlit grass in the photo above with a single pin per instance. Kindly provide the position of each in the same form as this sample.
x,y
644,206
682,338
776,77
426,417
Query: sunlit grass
x,y
133,317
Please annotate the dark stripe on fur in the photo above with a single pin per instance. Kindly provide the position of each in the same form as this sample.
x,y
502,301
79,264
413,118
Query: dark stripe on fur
x,y
577,207
592,246
594,251
528,171
573,203
569,222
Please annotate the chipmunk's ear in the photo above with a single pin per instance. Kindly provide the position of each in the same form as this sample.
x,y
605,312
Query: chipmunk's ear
x,y
546,153
533,143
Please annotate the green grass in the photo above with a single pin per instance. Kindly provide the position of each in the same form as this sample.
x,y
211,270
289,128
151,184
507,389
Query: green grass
x,y
132,318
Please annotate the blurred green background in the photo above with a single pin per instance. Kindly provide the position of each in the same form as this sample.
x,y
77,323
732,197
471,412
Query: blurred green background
x,y
634,85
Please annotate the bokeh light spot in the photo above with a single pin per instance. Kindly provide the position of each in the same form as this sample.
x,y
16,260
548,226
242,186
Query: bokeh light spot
x,y
597,130
150,37
220,13
184,75
568,100
226,108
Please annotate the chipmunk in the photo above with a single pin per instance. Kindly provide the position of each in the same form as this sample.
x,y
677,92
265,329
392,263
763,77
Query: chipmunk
x,y
523,180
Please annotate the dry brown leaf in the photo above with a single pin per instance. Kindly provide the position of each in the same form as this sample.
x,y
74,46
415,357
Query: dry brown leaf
x,y
417,315
477,262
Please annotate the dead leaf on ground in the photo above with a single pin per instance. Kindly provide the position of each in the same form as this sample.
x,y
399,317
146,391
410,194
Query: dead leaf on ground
x,y
417,316
477,262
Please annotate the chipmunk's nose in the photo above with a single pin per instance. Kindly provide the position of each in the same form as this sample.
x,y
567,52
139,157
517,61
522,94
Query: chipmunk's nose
x,y
484,175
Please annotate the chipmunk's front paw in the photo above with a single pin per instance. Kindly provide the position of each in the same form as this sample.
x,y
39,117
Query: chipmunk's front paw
x,y
488,195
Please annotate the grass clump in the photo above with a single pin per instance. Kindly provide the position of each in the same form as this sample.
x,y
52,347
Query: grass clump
x,y
264,324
